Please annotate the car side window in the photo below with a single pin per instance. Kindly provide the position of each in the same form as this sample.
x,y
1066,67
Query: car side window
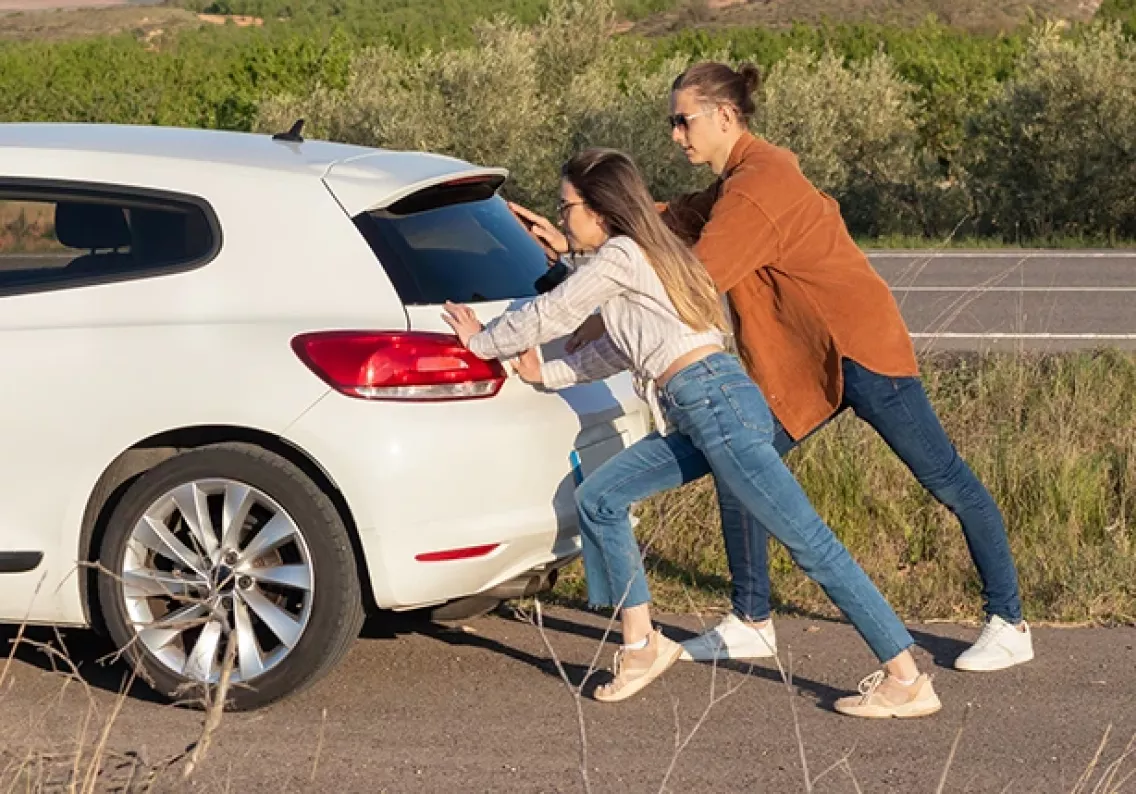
x,y
53,239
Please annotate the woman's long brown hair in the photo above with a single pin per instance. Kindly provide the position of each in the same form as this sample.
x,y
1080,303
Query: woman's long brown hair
x,y
612,186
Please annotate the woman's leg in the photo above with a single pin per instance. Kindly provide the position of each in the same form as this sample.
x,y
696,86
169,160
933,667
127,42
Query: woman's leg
x,y
726,417
613,564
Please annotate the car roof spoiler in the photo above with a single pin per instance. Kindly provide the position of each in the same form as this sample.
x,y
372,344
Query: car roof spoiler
x,y
374,182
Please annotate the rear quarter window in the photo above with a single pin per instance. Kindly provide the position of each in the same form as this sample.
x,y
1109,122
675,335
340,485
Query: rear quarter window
x,y
56,236
461,246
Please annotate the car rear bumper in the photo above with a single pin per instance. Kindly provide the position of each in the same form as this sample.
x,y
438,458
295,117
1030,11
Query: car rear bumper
x,y
420,479
531,582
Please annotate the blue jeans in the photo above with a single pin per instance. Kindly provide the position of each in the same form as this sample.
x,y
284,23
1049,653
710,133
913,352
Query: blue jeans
x,y
723,426
898,409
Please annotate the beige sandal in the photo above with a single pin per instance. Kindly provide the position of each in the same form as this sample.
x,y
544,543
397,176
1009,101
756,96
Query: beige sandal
x,y
635,669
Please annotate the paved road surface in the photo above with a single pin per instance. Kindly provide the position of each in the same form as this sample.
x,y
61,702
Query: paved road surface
x,y
1013,300
421,709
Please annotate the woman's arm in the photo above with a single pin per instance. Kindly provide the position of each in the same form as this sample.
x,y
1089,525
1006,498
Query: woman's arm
x,y
549,316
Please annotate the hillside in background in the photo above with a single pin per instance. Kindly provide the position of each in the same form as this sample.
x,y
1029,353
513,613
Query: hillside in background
x,y
144,23
410,24
980,16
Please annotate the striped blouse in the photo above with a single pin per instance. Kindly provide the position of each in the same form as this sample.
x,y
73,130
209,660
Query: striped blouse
x,y
644,332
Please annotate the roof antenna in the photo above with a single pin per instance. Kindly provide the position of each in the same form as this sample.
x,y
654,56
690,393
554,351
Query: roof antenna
x,y
292,135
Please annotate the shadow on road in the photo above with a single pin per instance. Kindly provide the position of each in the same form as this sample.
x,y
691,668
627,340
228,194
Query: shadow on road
x,y
714,583
385,628
92,655
943,650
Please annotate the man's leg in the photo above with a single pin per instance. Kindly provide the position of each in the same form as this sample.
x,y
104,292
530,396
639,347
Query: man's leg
x,y
746,633
747,547
899,410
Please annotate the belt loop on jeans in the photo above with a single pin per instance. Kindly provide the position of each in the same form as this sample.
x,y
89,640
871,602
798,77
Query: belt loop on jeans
x,y
655,397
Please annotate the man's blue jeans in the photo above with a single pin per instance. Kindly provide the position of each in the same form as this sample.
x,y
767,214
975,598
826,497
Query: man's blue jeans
x,y
723,425
898,409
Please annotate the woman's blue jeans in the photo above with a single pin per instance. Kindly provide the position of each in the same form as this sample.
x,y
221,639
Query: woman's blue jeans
x,y
722,426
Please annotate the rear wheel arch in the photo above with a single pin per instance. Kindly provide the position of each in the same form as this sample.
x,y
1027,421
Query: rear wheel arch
x,y
140,458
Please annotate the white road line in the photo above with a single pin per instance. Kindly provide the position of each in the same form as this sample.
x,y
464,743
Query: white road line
x,y
1012,289
999,335
1024,254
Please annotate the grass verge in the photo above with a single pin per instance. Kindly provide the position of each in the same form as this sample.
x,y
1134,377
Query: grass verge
x,y
978,16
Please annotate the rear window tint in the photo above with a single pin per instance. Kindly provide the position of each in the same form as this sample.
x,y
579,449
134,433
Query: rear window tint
x,y
468,252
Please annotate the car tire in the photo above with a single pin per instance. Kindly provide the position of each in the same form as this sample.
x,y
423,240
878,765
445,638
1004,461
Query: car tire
x,y
229,585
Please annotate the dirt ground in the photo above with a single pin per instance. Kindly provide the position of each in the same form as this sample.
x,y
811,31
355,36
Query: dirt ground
x,y
48,5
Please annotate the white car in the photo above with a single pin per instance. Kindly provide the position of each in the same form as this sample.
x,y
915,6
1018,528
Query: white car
x,y
232,416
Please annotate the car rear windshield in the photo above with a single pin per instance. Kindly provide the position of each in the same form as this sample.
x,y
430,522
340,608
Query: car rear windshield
x,y
460,245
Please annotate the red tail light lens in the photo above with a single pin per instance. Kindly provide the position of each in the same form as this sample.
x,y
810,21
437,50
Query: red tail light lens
x,y
398,365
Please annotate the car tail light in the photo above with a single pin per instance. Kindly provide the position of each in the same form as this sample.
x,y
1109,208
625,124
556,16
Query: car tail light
x,y
398,365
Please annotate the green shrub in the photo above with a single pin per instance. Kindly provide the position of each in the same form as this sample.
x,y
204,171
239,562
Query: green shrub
x,y
918,131
854,132
1122,11
523,97
202,80
1055,150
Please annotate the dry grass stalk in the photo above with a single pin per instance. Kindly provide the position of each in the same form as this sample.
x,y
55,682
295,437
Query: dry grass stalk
x,y
954,749
1108,782
95,765
19,635
714,700
215,707
575,690
319,746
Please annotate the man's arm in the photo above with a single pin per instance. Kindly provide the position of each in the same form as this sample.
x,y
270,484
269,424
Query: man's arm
x,y
687,214
595,361
738,239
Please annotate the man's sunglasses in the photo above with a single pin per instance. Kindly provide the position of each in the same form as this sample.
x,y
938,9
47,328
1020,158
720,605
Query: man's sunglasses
x,y
683,119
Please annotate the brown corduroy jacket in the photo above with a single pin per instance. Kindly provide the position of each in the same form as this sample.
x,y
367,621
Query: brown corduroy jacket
x,y
802,292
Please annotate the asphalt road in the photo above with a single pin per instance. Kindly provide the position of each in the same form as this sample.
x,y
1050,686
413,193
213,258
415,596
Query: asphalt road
x,y
1015,300
418,707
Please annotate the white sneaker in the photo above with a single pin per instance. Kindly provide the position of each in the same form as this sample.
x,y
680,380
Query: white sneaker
x,y
731,639
999,646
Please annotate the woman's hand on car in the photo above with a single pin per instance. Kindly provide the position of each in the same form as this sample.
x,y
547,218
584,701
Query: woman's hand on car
x,y
527,367
551,239
463,321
